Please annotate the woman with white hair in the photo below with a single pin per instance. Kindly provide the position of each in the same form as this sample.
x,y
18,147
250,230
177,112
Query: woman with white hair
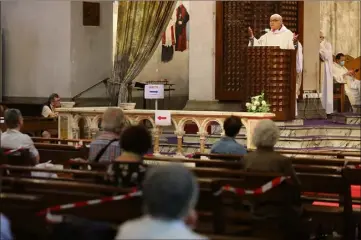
x,y
265,137
106,145
282,204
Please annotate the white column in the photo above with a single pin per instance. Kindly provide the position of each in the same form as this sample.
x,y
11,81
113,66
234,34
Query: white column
x,y
311,45
201,50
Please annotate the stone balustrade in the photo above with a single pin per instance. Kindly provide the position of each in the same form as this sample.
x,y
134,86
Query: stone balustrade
x,y
69,123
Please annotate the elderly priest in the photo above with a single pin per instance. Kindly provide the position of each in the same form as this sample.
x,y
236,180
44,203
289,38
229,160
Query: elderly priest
x,y
282,37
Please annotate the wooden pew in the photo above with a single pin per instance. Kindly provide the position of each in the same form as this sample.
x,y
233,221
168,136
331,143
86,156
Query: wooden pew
x,y
34,125
60,153
338,154
332,184
20,209
352,216
207,175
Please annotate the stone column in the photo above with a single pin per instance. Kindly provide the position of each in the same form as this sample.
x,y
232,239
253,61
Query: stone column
x,y
156,135
202,140
250,124
93,131
179,135
75,133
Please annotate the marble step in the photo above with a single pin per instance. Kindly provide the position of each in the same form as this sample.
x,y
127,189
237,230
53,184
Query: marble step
x,y
298,131
171,149
284,142
346,118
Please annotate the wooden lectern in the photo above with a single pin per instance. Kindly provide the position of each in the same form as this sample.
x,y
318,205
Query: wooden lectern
x,y
273,71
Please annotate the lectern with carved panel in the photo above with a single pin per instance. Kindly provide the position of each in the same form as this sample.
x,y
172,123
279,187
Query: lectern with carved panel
x,y
273,71
233,72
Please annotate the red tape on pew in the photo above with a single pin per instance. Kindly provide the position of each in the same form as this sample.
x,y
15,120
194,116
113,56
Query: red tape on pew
x,y
354,166
240,191
133,193
12,151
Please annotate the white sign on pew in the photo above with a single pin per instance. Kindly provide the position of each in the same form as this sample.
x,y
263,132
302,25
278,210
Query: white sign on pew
x,y
163,118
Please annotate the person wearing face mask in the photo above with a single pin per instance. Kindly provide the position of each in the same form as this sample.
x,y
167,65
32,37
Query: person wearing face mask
x,y
326,74
282,37
342,75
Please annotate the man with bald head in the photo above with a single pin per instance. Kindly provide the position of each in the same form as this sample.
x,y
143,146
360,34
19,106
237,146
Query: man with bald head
x,y
281,37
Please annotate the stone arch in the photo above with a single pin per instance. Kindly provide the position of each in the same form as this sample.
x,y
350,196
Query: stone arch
x,y
139,119
183,121
207,121
96,121
76,119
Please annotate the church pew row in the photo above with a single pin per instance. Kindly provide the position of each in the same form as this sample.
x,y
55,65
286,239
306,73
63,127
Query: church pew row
x,y
54,192
85,142
35,125
60,153
338,154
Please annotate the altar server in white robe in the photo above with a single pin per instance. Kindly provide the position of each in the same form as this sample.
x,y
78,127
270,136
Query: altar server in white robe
x,y
326,74
282,37
343,75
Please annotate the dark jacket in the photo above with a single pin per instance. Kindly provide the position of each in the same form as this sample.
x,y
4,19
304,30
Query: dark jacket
x,y
282,199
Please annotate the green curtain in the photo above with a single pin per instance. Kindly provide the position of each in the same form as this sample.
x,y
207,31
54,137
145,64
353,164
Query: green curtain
x,y
140,26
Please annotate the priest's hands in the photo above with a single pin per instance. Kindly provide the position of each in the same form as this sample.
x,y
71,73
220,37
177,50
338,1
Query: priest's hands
x,y
351,73
295,37
250,32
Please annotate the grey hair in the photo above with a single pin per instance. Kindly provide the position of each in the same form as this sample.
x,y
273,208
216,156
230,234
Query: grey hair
x,y
170,191
266,134
12,117
276,16
113,120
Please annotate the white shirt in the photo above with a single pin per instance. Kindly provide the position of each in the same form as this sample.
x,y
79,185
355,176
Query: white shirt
x,y
47,111
14,139
147,227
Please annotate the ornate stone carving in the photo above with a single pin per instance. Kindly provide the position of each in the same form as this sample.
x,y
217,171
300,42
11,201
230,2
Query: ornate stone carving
x,y
202,119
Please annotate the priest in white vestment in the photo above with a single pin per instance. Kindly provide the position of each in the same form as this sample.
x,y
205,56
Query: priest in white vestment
x,y
343,75
282,37
326,74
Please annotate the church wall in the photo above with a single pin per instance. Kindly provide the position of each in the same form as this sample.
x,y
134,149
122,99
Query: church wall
x,y
176,71
91,50
36,48
202,47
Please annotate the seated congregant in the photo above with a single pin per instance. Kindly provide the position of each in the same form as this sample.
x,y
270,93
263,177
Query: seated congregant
x,y
343,75
128,169
170,194
285,206
13,138
228,144
52,103
106,145
48,111
5,230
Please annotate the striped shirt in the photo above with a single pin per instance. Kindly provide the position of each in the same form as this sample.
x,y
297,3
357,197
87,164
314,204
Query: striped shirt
x,y
113,150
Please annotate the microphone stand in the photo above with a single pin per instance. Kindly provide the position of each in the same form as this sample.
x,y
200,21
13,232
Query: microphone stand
x,y
105,81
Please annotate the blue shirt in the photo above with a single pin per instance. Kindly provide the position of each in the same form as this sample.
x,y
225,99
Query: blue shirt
x,y
228,145
5,232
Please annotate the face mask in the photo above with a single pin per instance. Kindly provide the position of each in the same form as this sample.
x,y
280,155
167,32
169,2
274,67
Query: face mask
x,y
342,63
